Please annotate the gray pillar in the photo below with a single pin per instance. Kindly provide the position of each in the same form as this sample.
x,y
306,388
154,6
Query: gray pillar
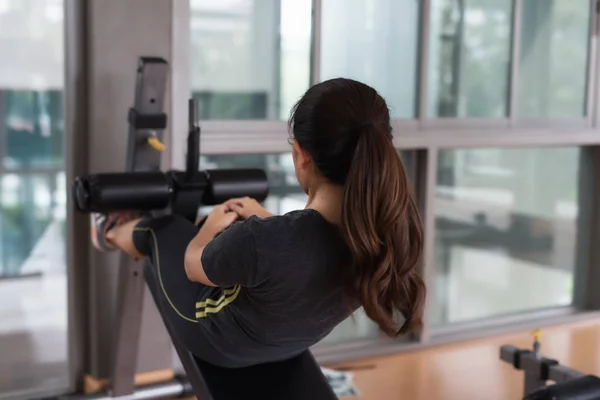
x,y
120,32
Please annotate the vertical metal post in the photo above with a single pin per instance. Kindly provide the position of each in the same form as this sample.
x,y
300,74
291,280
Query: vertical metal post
x,y
274,111
423,81
193,141
593,91
427,165
129,320
513,98
3,138
3,145
149,102
532,383
531,367
315,54
587,261
180,80
591,64
530,364
77,225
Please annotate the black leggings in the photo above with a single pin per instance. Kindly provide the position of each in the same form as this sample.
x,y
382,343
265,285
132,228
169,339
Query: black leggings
x,y
164,241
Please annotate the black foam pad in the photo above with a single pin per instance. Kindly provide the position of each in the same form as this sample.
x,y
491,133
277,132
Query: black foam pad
x,y
584,388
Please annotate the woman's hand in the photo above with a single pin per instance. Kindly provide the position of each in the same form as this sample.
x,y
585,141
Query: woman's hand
x,y
219,219
245,207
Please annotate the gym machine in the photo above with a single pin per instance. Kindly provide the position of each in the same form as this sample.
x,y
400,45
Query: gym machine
x,y
144,187
569,384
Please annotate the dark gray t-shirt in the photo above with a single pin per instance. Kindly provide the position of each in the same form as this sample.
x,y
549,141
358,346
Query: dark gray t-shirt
x,y
280,288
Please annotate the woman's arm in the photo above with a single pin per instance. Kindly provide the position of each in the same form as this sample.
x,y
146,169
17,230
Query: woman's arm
x,y
217,221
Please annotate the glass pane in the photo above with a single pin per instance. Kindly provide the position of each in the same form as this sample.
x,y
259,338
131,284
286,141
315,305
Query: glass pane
x,y
33,127
33,283
553,58
285,195
375,42
506,228
469,58
31,81
250,59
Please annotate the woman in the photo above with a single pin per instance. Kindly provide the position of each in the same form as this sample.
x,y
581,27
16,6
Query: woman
x,y
266,288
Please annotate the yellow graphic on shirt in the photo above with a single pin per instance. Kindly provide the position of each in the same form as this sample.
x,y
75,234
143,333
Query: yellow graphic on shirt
x,y
212,306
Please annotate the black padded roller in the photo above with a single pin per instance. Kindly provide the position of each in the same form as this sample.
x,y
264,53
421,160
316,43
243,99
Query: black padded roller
x,y
118,191
226,184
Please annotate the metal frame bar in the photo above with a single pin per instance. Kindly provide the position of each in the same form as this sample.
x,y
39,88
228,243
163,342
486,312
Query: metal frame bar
x,y
594,82
179,82
588,255
3,137
591,64
151,92
275,109
32,171
587,230
481,124
564,122
129,324
271,138
315,53
427,166
76,121
513,97
423,81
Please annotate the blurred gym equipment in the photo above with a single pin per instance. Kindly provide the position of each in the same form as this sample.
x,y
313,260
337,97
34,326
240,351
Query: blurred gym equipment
x,y
569,384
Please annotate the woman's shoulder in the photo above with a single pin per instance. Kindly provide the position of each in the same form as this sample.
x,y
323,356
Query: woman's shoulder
x,y
306,229
288,222
305,216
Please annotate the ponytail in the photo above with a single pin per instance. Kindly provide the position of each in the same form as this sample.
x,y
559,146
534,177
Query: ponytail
x,y
381,224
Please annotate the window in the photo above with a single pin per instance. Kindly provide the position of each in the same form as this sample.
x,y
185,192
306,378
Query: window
x,y
469,58
374,42
553,58
33,284
34,131
505,231
250,58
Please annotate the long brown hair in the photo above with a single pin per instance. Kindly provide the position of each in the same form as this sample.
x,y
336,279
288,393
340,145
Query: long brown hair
x,y
345,127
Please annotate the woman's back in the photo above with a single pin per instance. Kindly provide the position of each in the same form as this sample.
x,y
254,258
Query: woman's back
x,y
268,288
291,291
